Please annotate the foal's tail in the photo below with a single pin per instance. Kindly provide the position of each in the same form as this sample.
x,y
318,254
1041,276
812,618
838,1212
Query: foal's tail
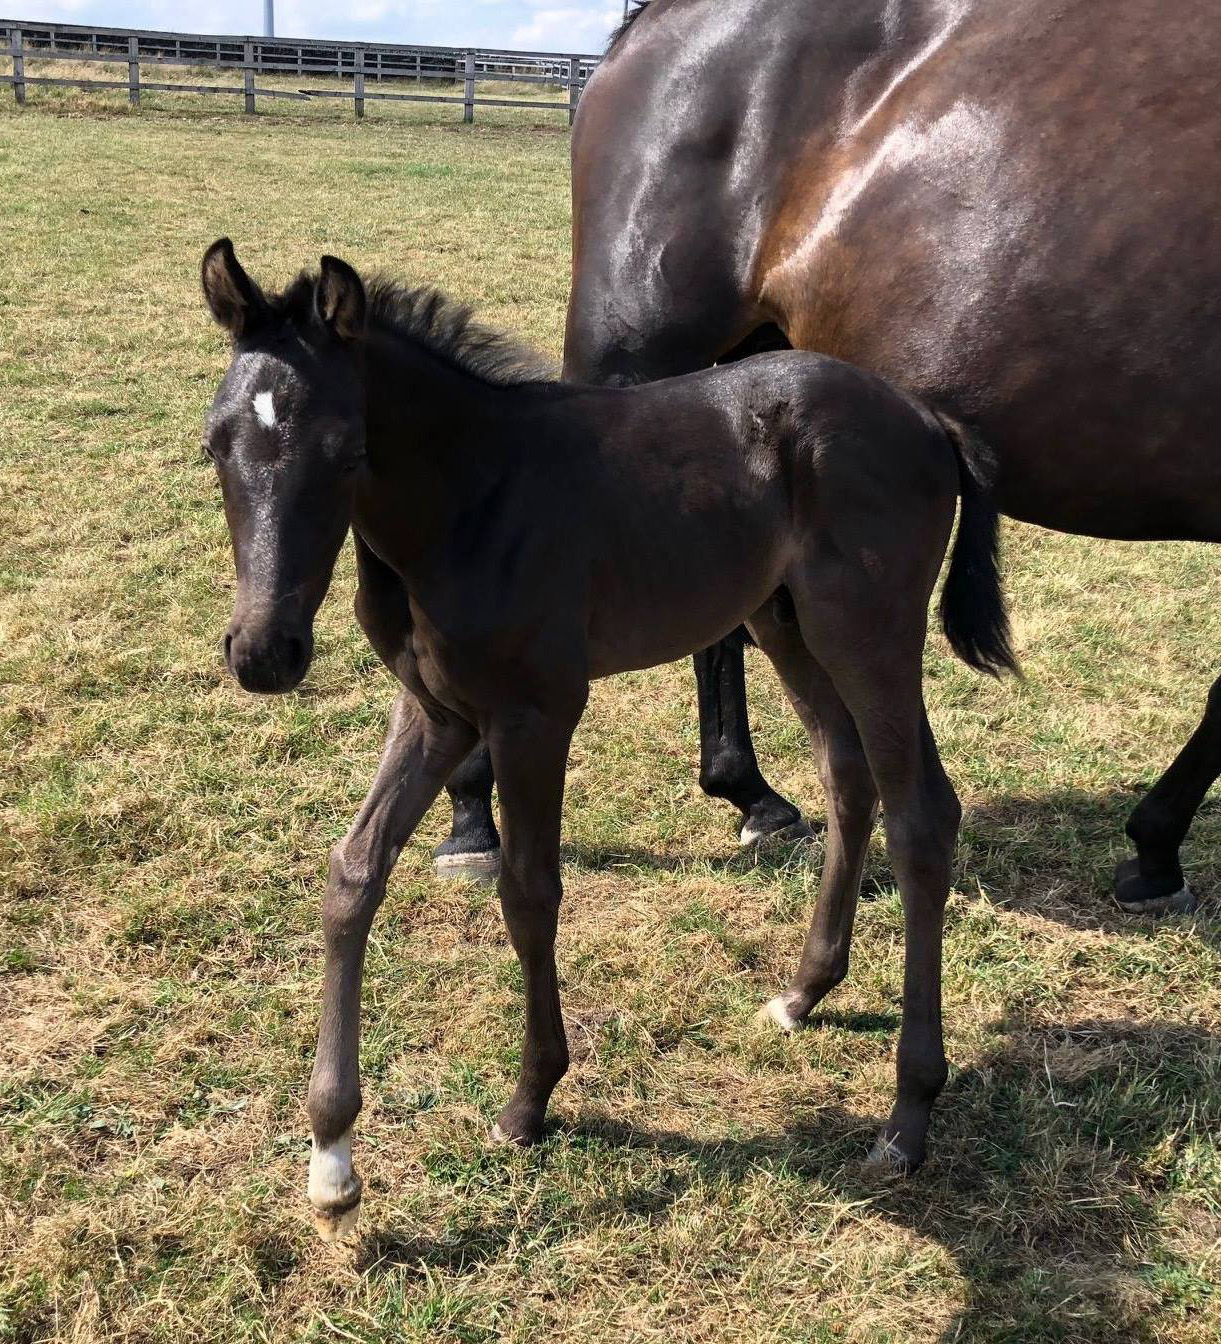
x,y
973,611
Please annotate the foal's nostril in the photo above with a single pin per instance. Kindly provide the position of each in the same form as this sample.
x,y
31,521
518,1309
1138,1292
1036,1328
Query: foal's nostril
x,y
296,652
228,650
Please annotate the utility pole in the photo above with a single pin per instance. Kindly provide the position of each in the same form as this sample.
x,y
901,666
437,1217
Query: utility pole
x,y
269,18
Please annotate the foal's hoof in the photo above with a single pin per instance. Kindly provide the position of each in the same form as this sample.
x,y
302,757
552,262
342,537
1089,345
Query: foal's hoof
x,y
483,868
333,1227
888,1158
797,832
778,1012
1139,895
525,1133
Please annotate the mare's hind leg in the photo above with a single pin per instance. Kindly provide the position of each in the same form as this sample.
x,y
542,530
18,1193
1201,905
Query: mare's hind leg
x,y
419,754
530,756
728,766
471,852
851,807
1152,882
878,676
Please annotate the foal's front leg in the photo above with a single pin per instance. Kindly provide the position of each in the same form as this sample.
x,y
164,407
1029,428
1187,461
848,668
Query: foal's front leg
x,y
530,755
419,755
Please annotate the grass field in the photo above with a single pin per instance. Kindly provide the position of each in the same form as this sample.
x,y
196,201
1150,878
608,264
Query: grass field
x,y
164,837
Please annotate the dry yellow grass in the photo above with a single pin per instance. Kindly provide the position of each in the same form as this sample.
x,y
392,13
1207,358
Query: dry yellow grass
x,y
163,841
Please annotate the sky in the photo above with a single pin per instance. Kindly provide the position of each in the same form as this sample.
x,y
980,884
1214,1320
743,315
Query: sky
x,y
529,25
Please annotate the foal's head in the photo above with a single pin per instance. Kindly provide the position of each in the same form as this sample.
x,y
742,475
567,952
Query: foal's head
x,y
287,434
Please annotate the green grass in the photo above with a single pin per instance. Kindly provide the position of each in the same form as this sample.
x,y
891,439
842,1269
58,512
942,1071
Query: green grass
x,y
163,840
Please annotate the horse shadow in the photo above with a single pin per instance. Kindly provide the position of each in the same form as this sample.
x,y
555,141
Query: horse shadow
x,y
1048,1200
1052,855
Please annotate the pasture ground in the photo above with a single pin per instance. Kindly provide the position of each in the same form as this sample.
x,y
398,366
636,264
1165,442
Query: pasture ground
x,y
164,840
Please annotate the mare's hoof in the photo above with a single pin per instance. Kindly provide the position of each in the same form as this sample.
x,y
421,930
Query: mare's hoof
x,y
484,867
797,832
1139,895
776,1012
340,1226
887,1158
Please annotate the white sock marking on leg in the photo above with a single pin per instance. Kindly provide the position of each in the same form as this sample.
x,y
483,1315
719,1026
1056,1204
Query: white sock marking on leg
x,y
330,1173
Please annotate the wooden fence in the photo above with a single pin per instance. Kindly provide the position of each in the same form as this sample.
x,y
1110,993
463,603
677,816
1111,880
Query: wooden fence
x,y
364,63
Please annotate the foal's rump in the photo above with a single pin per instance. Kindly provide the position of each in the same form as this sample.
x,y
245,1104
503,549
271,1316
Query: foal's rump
x,y
789,469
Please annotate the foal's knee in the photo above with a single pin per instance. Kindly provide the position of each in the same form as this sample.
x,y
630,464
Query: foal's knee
x,y
353,893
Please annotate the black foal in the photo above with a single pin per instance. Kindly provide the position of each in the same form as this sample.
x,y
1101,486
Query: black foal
x,y
516,537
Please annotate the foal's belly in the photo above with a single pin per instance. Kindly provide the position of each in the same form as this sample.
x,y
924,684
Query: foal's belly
x,y
643,614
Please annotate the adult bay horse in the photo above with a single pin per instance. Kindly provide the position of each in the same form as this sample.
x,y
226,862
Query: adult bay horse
x,y
1010,207
516,537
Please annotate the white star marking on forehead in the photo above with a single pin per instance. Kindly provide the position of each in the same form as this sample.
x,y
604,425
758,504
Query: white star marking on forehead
x,y
265,408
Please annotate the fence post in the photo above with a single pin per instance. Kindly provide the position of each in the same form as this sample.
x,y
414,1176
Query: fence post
x,y
133,71
468,106
248,76
18,67
574,86
358,82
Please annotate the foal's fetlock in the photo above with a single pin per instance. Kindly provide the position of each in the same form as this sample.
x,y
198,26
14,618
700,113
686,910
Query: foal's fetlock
x,y
790,1010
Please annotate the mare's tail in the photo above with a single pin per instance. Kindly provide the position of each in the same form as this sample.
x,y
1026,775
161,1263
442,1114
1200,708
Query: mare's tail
x,y
973,611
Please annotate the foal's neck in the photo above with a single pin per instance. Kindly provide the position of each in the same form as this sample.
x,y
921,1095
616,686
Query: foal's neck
x,y
440,442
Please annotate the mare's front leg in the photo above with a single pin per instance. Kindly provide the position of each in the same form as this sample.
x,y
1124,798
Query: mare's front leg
x,y
1153,883
728,766
471,851
530,756
419,755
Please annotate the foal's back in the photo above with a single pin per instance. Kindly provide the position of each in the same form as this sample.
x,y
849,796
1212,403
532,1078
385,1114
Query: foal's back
x,y
702,492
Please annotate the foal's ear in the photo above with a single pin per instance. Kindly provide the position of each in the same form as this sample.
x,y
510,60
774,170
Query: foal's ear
x,y
339,299
236,301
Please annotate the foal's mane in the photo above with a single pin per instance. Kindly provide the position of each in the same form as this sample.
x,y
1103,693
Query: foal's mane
x,y
443,326
448,329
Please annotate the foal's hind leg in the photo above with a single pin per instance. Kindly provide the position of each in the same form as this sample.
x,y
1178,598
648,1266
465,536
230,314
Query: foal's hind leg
x,y
530,756
851,807
471,852
419,754
1153,883
878,676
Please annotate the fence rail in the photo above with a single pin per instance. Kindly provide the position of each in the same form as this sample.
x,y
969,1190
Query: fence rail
x,y
364,63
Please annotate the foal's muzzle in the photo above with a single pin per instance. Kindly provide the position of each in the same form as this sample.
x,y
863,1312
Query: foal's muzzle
x,y
269,660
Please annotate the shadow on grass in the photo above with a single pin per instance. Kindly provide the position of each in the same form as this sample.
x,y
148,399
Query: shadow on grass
x,y
1053,855
1044,1193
